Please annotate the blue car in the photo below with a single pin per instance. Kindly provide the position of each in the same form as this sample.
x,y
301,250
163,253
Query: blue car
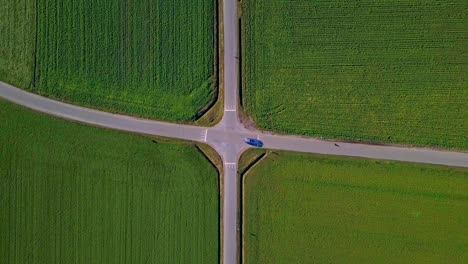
x,y
254,142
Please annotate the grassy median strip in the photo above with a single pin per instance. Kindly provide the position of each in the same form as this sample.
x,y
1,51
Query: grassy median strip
x,y
304,208
147,58
381,71
71,193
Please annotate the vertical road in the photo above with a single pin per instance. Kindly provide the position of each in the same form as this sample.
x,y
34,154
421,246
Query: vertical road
x,y
230,121
229,145
231,64
230,218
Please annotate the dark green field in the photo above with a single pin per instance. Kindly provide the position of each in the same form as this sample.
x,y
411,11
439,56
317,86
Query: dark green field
x,y
382,71
148,58
17,31
302,208
76,194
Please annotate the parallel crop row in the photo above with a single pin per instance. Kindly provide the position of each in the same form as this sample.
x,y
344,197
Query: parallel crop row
x,y
149,58
17,41
392,71
76,194
303,208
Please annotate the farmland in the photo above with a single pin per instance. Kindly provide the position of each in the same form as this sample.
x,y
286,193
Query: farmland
x,y
17,41
146,58
380,71
76,194
304,208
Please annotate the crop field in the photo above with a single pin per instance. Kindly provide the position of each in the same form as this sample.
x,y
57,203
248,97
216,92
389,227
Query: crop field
x,y
381,71
147,58
17,41
304,208
76,194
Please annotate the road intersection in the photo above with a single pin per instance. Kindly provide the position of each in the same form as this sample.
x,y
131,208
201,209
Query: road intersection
x,y
227,137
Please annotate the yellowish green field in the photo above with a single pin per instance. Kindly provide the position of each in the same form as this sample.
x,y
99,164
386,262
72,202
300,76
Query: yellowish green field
x,y
304,208
148,58
382,71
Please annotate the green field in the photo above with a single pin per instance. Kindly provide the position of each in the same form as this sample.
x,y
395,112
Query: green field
x,y
383,71
148,58
17,41
301,208
76,194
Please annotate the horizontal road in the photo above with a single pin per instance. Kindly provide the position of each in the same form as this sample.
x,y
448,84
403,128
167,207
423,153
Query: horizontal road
x,y
99,118
419,155
227,137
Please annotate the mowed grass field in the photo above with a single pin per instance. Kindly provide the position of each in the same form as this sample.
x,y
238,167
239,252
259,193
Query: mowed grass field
x,y
76,194
147,58
304,208
381,71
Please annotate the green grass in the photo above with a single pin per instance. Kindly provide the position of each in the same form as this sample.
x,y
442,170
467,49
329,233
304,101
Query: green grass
x,y
70,193
249,158
147,58
381,71
302,208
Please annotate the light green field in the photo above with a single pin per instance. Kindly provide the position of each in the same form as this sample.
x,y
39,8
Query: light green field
x,y
76,194
148,58
302,208
382,71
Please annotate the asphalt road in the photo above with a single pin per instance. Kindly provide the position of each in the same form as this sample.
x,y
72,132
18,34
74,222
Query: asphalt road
x,y
227,137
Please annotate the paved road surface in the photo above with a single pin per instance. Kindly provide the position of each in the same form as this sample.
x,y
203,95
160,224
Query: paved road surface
x,y
226,144
227,137
99,118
